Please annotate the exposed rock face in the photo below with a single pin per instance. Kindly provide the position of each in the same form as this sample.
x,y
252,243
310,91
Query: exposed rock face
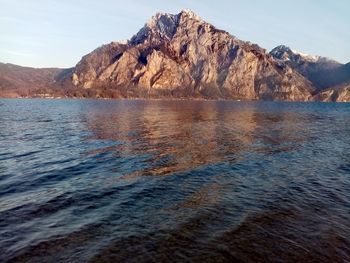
x,y
95,66
321,71
336,94
183,56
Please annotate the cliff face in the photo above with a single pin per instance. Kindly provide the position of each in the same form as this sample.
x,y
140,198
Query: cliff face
x,y
336,94
183,56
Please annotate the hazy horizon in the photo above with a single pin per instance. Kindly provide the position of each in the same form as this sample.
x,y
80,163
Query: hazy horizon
x,y
52,33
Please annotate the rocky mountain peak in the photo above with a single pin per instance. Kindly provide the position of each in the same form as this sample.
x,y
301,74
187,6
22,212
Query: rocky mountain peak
x,y
282,52
285,53
164,26
161,25
321,71
190,14
162,21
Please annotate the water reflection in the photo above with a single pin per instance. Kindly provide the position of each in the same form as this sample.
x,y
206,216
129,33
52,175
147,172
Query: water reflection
x,y
160,181
176,137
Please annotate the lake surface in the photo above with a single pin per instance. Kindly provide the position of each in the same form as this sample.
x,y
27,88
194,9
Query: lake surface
x,y
174,181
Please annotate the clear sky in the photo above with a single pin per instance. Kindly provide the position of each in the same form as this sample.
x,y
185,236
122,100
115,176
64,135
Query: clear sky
x,y
57,33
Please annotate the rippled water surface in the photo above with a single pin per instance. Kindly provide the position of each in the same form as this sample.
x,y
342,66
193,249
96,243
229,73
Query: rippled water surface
x,y
174,181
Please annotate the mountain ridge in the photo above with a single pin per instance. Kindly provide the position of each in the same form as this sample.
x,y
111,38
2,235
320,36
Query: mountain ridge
x,y
182,56
323,72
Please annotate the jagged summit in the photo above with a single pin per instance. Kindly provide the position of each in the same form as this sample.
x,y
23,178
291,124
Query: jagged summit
x,y
321,71
160,18
285,53
190,14
281,52
175,17
164,25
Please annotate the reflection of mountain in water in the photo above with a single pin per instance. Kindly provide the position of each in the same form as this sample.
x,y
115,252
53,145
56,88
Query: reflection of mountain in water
x,y
177,137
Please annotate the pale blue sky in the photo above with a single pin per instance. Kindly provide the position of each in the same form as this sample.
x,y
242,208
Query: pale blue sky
x,y
57,33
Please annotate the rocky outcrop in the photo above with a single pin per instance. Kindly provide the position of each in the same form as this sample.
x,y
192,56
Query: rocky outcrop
x,y
183,56
336,94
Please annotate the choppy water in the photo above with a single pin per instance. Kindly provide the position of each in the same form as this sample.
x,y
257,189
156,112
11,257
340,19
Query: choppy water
x,y
174,181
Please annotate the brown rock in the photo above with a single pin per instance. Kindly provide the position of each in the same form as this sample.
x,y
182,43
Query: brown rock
x,y
188,57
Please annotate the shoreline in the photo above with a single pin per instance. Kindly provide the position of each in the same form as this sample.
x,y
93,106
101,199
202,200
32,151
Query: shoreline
x,y
167,99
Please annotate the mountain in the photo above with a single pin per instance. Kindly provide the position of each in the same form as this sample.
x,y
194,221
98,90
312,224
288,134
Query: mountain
x,y
183,56
179,56
321,71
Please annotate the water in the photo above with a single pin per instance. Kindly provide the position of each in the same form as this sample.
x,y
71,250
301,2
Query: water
x,y
174,181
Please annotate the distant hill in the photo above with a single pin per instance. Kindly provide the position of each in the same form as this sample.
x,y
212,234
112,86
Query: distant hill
x,y
24,81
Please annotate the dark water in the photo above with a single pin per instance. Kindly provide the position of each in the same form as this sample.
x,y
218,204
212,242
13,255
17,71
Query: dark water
x,y
174,181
